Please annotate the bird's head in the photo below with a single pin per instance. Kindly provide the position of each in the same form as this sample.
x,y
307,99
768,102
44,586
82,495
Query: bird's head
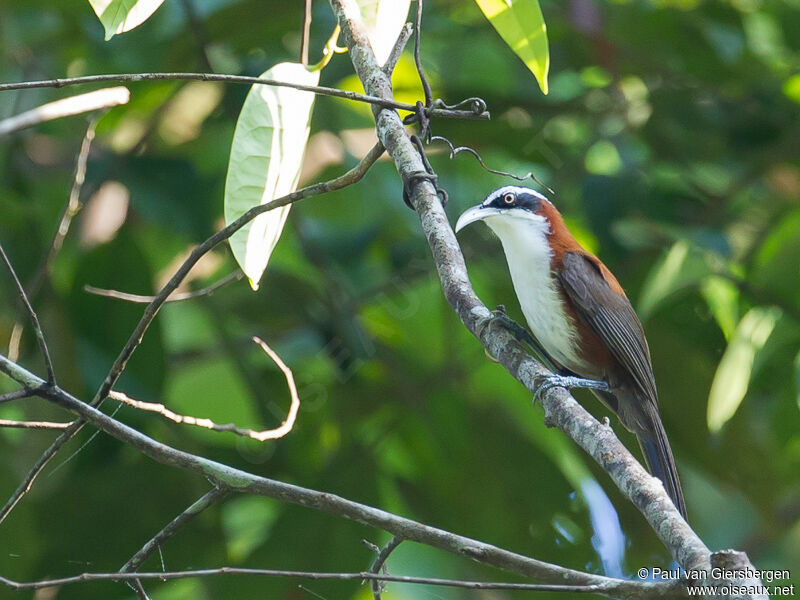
x,y
511,208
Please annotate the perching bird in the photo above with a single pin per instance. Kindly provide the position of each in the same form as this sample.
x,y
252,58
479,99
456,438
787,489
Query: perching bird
x,y
580,317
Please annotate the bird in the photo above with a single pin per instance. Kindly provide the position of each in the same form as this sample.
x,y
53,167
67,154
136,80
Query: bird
x,y
580,317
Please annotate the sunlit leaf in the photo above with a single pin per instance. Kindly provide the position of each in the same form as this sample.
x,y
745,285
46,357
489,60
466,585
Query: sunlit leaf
x,y
119,16
383,19
521,25
679,268
722,297
733,373
265,161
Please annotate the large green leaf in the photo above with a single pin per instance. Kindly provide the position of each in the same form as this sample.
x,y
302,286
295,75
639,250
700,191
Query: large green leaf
x,y
119,16
722,297
265,161
521,25
682,266
733,373
383,19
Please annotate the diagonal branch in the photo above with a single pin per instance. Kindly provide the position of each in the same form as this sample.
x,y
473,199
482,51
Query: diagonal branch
x,y
352,176
208,499
37,328
561,409
241,481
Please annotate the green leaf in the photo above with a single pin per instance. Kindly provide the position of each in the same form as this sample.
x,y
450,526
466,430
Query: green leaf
x,y
383,19
722,297
119,16
733,373
266,156
681,266
797,378
521,25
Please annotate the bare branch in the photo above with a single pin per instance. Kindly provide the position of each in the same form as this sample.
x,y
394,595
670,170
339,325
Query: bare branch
x,y
454,583
454,151
261,436
209,499
72,207
352,176
25,485
37,328
241,79
379,566
16,395
140,299
397,50
241,481
66,107
640,487
287,425
32,424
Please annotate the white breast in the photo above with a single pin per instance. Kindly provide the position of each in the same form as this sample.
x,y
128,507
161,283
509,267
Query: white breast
x,y
528,255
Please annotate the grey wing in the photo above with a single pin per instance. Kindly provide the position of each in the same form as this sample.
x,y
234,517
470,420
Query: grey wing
x,y
611,316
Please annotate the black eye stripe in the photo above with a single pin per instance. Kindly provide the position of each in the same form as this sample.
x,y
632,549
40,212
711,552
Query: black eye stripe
x,y
514,200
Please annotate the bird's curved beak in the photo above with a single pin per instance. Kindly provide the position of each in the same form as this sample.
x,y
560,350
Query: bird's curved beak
x,y
476,213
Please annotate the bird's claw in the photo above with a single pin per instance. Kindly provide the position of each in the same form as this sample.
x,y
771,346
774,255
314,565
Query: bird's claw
x,y
546,382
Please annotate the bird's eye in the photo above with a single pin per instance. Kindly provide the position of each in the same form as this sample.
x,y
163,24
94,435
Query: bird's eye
x,y
508,198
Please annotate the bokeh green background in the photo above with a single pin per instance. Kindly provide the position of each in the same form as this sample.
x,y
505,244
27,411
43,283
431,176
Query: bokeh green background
x,y
671,137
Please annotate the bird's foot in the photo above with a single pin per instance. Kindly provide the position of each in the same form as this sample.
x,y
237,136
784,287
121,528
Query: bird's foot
x,y
522,335
546,382
518,331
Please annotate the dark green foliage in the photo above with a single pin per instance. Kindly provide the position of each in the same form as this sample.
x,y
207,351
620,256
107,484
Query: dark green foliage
x,y
668,122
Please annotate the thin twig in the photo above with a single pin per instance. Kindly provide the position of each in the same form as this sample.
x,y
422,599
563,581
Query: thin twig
x,y
242,481
426,86
16,395
454,151
72,207
379,566
352,176
140,299
306,33
66,107
171,575
269,434
32,424
25,485
261,436
207,500
397,49
37,328
239,79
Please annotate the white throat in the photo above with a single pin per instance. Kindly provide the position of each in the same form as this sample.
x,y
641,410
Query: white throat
x,y
528,254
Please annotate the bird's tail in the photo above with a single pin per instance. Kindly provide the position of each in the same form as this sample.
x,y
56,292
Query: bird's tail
x,y
658,456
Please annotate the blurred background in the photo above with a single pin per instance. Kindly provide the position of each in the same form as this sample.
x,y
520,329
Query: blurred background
x,y
671,137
